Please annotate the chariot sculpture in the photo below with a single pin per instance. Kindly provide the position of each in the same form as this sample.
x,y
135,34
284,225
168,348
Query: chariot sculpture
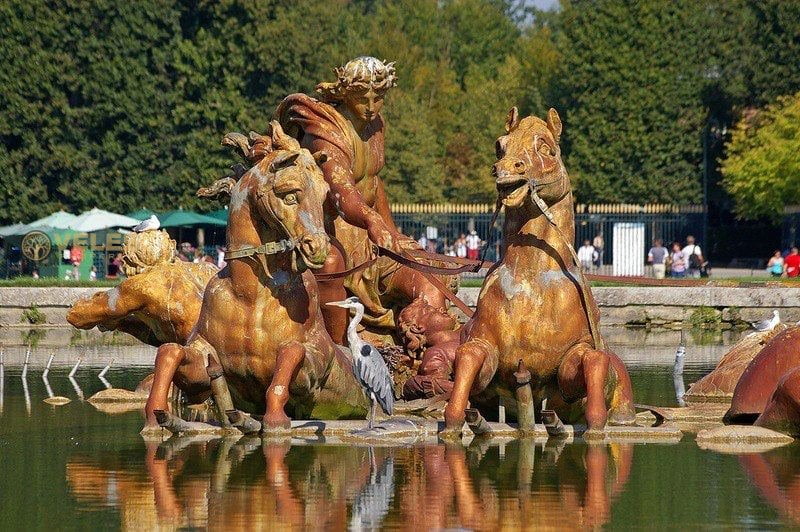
x,y
310,223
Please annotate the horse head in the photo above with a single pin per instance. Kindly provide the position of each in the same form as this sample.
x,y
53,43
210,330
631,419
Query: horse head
x,y
529,161
286,190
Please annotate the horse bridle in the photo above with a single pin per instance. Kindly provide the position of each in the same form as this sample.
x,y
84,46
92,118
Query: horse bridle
x,y
268,248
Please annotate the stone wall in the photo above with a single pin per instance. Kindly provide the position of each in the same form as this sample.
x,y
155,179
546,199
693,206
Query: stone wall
x,y
658,306
630,305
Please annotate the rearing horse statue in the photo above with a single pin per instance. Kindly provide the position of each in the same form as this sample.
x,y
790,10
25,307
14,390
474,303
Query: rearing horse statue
x,y
260,324
533,305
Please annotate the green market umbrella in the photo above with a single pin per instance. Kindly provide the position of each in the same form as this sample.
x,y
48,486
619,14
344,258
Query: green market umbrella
x,y
181,218
221,214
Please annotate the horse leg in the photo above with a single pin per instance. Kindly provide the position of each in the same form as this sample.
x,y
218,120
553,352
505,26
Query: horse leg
x,y
470,358
584,371
168,358
287,364
329,291
621,410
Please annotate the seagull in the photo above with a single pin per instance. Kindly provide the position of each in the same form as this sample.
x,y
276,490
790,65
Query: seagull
x,y
151,224
769,324
369,367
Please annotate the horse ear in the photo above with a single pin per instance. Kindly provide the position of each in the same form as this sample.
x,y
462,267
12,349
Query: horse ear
x,y
512,120
320,157
554,124
280,140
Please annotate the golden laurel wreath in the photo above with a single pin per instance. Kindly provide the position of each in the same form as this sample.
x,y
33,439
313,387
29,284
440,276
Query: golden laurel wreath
x,y
36,246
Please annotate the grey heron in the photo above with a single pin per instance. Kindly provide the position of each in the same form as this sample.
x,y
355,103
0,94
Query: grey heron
x,y
768,324
369,367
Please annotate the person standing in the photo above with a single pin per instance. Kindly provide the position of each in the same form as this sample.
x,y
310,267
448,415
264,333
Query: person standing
x,y
657,257
586,255
677,261
599,244
775,264
473,245
693,257
791,264
461,246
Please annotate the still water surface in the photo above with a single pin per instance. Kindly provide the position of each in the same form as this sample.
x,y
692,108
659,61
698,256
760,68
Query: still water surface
x,y
74,467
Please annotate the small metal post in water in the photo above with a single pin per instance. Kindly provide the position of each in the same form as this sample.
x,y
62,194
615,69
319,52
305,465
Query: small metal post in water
x,y
77,388
501,411
75,368
105,369
677,372
47,367
25,364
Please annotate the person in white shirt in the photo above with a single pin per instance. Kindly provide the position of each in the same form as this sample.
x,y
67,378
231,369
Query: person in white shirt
x,y
461,246
473,245
694,257
586,255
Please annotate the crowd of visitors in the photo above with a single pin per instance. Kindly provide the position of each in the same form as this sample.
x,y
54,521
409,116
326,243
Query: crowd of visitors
x,y
785,264
679,261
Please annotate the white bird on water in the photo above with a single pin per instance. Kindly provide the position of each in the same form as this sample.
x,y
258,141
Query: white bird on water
x,y
768,324
368,365
151,224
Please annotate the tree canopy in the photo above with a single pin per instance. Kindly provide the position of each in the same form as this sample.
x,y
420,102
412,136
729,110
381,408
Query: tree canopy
x,y
121,105
762,171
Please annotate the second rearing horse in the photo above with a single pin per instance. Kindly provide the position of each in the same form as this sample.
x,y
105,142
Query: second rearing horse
x,y
532,306
260,320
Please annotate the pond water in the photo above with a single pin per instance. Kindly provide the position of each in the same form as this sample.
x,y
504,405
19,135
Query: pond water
x,y
76,467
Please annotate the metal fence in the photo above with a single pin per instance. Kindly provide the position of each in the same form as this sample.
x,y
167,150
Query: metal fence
x,y
443,223
448,221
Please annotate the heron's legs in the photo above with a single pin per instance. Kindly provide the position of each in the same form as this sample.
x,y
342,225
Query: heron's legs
x,y
371,410
287,364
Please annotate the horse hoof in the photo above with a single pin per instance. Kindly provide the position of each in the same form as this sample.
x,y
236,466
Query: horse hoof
x,y
243,422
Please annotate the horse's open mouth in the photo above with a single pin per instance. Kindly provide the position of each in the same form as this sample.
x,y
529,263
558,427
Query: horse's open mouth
x,y
512,193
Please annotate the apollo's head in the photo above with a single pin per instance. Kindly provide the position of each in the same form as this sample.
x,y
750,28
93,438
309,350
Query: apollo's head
x,y
360,85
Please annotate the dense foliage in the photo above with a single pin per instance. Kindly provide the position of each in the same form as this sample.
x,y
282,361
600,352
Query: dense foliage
x,y
121,105
762,171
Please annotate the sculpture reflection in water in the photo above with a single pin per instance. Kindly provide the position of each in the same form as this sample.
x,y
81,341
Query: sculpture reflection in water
x,y
241,484
776,476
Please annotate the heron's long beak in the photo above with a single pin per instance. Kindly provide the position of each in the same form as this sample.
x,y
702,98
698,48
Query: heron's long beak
x,y
341,304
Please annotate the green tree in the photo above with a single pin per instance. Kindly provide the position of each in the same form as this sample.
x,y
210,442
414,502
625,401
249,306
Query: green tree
x,y
633,80
762,170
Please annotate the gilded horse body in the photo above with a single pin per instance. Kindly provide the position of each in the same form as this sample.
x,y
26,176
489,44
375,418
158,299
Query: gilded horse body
x,y
260,320
531,306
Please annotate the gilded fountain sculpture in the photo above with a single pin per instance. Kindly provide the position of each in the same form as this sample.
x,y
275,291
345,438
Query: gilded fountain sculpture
x,y
310,224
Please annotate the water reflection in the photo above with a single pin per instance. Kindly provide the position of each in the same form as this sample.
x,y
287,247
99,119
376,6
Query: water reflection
x,y
776,477
243,484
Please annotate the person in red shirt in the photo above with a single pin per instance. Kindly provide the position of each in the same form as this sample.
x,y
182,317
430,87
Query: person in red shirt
x,y
791,264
